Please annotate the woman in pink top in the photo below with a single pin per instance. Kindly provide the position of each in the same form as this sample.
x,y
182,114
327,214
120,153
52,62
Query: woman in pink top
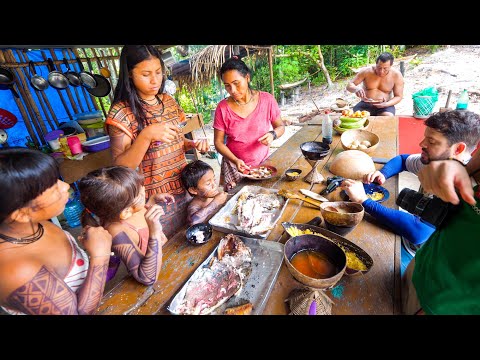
x,y
249,118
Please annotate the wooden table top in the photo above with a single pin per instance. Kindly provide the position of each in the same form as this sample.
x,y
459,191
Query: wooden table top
x,y
377,292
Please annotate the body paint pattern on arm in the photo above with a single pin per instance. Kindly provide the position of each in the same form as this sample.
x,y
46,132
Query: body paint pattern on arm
x,y
142,268
44,294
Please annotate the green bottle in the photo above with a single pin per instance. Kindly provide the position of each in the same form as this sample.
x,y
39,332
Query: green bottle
x,y
462,101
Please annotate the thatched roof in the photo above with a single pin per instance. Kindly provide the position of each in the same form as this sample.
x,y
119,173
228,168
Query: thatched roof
x,y
203,66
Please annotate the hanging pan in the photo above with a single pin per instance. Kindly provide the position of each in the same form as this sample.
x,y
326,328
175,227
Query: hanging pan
x,y
72,76
6,81
37,81
103,85
88,80
55,78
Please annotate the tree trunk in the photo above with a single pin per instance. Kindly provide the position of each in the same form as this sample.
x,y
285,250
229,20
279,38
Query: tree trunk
x,y
324,69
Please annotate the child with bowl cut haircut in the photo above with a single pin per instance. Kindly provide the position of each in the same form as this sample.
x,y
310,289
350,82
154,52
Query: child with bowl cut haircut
x,y
198,179
114,197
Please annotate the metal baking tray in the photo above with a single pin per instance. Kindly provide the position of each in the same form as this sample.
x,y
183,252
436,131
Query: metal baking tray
x,y
220,220
267,257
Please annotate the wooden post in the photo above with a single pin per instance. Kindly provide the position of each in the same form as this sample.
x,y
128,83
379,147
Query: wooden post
x,y
93,98
77,95
91,70
23,57
59,93
110,52
84,92
402,67
270,65
20,106
69,93
99,64
25,94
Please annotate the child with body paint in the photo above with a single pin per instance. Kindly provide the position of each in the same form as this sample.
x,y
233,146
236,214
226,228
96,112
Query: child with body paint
x,y
114,197
199,180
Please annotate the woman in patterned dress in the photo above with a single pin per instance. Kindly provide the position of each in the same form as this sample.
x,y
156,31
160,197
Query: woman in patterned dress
x,y
143,127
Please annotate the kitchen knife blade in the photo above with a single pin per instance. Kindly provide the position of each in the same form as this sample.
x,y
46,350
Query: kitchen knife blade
x,y
313,195
380,160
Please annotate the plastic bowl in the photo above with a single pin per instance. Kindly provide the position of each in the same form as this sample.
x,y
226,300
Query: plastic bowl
x,y
199,234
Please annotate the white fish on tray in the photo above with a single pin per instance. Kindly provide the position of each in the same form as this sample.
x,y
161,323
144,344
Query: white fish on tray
x,y
253,211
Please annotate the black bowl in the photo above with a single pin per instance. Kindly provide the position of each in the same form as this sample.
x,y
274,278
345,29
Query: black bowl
x,y
314,150
194,231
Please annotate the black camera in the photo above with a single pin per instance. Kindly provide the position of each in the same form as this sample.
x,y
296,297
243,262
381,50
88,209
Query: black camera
x,y
429,208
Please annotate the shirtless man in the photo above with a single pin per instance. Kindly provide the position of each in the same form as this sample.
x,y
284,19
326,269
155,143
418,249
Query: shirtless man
x,y
378,82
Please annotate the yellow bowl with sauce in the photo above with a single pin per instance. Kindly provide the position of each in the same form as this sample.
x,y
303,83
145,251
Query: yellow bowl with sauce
x,y
315,261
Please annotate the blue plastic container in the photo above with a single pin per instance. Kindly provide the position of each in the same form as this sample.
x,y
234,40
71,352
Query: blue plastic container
x,y
73,211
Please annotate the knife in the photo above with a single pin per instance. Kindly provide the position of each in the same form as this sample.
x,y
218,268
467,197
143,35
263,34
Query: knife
x,y
313,195
380,160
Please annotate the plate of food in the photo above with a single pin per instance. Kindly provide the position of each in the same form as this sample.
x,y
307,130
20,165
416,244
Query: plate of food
x,y
373,101
260,172
374,191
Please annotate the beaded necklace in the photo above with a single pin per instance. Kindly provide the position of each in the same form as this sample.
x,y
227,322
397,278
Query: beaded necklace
x,y
24,240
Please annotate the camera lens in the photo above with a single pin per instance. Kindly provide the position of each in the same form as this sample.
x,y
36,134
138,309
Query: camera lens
x,y
428,207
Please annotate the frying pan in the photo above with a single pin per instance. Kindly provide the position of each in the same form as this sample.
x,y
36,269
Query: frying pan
x,y
103,87
6,81
7,119
314,150
37,81
72,76
88,80
56,78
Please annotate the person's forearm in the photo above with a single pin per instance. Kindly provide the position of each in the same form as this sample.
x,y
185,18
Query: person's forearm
x,y
402,223
147,272
393,101
198,214
91,291
133,156
353,88
279,130
144,269
188,144
226,152
395,166
474,163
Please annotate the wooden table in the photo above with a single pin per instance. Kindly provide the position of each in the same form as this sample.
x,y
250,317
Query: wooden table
x,y
72,170
377,292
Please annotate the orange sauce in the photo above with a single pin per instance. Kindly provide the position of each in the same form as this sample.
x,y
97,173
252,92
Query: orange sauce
x,y
313,264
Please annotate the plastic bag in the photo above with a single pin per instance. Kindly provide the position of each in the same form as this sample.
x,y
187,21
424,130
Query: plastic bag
x,y
431,91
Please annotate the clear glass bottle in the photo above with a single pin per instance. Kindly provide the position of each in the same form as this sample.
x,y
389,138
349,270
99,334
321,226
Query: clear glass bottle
x,y
462,101
73,210
327,129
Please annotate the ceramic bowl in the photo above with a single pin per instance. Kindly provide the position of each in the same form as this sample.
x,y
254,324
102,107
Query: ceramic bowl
x,y
292,174
334,259
199,233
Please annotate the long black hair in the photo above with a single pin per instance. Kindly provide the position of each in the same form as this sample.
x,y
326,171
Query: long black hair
x,y
125,91
24,175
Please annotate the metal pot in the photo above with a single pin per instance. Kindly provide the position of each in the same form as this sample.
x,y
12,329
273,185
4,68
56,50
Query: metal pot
x,y
6,81
37,81
88,80
72,76
55,78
